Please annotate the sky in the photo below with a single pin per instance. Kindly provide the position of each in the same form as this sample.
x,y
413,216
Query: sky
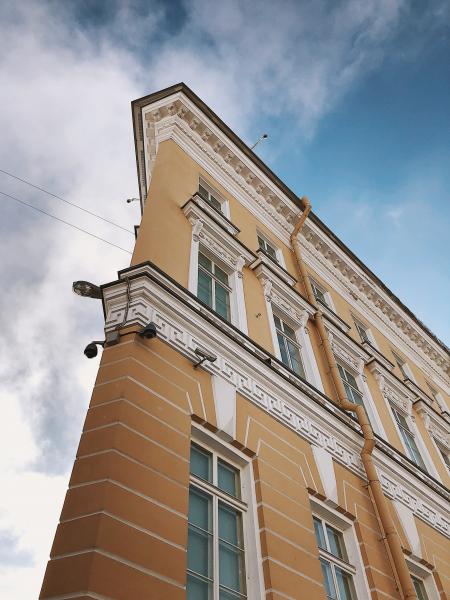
x,y
355,98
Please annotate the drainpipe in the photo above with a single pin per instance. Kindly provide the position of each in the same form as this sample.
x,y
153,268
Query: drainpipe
x,y
377,496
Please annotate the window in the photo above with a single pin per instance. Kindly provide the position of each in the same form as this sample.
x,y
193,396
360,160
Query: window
x,y
363,331
216,561
401,364
289,347
336,570
408,438
213,287
351,387
419,588
445,457
267,247
319,293
208,194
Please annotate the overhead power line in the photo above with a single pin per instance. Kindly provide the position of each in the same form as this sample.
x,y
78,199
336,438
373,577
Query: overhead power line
x,y
65,222
93,214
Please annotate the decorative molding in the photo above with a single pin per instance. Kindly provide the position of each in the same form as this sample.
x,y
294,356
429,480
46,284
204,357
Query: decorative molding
x,y
392,389
178,118
183,328
374,352
345,349
437,426
215,214
219,241
273,266
276,291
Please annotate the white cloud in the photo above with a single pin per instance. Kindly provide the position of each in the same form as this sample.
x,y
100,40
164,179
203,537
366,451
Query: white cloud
x,y
66,125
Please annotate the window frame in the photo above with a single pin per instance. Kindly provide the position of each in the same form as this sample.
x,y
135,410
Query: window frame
x,y
403,366
216,281
212,443
354,559
224,204
395,410
367,331
324,292
422,574
294,341
346,381
279,258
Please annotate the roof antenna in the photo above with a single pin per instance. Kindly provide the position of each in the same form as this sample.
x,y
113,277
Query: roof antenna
x,y
264,136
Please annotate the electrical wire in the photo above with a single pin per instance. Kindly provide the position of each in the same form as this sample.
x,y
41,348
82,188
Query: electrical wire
x,y
65,222
66,201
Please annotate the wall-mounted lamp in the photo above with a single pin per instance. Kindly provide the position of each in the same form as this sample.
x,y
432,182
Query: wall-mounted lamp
x,y
204,356
149,332
87,289
91,349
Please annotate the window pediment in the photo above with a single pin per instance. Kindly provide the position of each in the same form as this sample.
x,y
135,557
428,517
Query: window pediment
x,y
437,426
391,388
213,235
346,350
281,295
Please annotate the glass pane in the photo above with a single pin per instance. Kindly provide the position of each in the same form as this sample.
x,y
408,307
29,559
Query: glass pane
x,y
199,551
214,202
201,463
228,478
345,584
351,380
200,509
204,289
289,332
336,542
204,262
412,448
400,419
277,322
320,536
341,372
362,332
222,298
357,397
283,349
328,579
227,595
231,567
296,361
230,525
203,193
271,251
420,589
197,589
261,243
319,294
221,275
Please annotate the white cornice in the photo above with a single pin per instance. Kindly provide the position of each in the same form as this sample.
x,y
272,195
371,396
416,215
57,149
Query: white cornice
x,y
179,320
178,118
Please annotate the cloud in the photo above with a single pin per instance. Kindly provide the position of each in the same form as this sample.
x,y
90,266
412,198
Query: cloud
x,y
68,72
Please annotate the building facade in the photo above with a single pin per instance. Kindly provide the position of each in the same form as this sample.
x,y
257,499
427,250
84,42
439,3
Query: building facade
x,y
217,459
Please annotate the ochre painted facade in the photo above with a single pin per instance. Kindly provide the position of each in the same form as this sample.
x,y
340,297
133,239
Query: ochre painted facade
x,y
123,531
